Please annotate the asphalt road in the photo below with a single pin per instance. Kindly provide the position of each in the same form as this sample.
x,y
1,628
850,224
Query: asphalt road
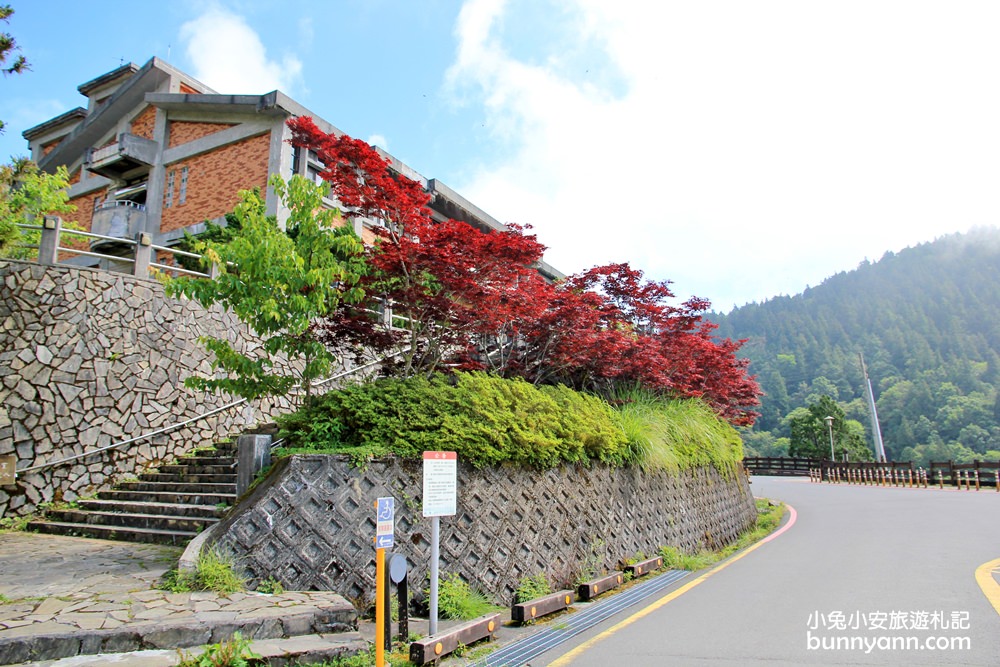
x,y
861,570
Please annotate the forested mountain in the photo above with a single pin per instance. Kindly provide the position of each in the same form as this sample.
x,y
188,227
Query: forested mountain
x,y
927,320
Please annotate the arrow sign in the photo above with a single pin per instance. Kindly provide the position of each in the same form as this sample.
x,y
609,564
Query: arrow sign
x,y
385,514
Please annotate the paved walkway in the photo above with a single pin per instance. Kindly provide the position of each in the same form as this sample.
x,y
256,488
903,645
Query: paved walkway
x,y
104,593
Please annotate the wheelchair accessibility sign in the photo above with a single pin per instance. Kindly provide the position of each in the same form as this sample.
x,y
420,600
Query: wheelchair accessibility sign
x,y
384,519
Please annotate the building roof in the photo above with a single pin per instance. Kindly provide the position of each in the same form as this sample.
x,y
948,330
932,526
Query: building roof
x,y
72,115
109,77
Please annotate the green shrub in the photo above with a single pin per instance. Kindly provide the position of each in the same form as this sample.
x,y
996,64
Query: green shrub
x,y
214,571
459,601
530,588
233,653
485,419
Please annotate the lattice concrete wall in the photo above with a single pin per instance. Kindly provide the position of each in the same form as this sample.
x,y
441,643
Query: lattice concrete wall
x,y
311,523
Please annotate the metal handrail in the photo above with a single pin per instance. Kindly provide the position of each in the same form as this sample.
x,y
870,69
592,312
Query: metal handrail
x,y
177,269
121,203
167,429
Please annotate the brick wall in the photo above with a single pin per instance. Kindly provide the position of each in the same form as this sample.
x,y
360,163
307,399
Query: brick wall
x,y
142,125
181,132
84,208
214,181
189,90
50,146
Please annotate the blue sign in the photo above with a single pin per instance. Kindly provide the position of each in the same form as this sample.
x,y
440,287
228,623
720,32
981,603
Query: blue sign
x,y
385,515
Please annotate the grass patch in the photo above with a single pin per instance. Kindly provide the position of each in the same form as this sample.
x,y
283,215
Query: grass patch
x,y
674,435
459,601
214,571
232,653
768,518
14,524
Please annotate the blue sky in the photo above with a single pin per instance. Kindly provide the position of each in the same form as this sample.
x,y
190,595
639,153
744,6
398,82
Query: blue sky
x,y
741,149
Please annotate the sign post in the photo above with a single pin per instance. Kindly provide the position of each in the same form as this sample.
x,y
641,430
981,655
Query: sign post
x,y
440,499
384,538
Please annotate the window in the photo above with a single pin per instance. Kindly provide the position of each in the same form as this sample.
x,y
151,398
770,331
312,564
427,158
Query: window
x,y
182,195
168,198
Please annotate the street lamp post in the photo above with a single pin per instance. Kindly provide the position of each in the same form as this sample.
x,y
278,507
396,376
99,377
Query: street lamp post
x,y
829,425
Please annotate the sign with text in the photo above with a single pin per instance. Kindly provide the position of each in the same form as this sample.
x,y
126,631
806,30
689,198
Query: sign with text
x,y
7,464
385,515
440,483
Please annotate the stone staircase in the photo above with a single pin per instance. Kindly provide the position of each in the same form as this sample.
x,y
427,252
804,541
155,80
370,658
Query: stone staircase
x,y
169,506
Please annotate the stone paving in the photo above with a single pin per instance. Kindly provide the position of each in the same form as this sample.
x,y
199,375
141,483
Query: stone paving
x,y
68,595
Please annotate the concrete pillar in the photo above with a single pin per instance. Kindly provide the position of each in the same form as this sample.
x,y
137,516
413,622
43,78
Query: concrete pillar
x,y
143,254
253,454
48,246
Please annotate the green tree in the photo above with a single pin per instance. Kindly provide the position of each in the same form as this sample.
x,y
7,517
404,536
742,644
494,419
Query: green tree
x,y
279,284
27,194
810,434
8,46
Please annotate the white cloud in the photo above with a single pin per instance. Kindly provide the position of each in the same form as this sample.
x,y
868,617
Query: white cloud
x,y
228,55
380,141
741,149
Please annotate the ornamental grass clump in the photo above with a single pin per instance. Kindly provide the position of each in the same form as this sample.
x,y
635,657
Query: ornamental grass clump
x,y
676,434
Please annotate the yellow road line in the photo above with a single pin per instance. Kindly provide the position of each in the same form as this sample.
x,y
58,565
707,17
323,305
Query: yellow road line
x,y
566,659
989,585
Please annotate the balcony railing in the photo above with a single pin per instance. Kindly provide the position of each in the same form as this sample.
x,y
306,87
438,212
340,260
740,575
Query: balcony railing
x,y
127,154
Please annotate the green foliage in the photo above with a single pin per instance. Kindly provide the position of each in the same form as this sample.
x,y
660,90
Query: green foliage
x,y
216,234
532,587
811,436
27,194
459,601
486,419
675,435
768,517
15,523
927,321
214,571
270,586
235,652
278,284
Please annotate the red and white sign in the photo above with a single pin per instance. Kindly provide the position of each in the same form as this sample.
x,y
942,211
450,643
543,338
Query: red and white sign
x,y
440,483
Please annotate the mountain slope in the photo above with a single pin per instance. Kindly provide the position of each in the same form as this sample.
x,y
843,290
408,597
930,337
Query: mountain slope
x,y
928,322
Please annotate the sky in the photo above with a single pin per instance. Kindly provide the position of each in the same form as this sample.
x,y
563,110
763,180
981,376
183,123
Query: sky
x,y
742,150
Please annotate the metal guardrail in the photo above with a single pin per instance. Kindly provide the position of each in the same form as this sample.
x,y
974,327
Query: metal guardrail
x,y
49,248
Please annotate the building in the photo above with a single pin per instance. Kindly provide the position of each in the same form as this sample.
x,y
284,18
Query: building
x,y
157,151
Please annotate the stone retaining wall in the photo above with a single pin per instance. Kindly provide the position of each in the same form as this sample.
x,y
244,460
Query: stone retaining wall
x,y
311,522
89,358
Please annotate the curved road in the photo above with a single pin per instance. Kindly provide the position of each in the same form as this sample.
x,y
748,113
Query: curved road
x,y
862,572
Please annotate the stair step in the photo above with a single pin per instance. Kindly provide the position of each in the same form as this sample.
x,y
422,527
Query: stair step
x,y
150,535
186,468
188,478
207,459
179,487
138,507
169,497
131,520
296,650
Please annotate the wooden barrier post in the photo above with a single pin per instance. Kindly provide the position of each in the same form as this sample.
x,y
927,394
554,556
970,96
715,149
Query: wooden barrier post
x,y
976,473
941,478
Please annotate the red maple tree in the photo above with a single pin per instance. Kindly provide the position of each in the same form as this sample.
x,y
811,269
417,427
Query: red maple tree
x,y
463,298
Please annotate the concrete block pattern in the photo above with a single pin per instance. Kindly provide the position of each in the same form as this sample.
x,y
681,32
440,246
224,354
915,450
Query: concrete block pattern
x,y
311,523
